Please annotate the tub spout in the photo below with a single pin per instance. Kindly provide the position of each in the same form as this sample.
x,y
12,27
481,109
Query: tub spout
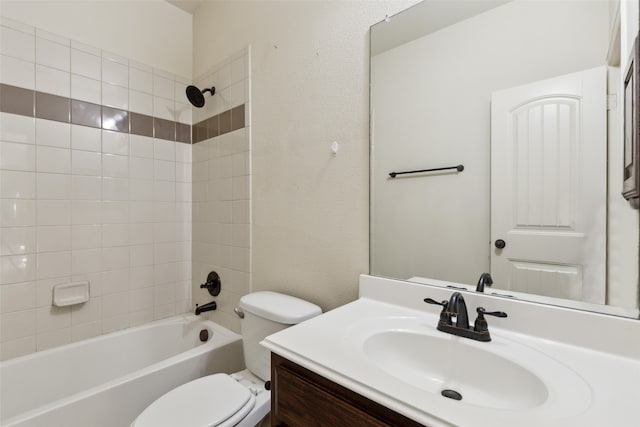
x,y
206,307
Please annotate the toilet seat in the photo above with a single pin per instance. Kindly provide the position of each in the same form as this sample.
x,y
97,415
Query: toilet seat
x,y
216,400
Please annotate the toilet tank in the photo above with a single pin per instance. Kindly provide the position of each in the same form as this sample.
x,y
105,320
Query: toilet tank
x,y
266,313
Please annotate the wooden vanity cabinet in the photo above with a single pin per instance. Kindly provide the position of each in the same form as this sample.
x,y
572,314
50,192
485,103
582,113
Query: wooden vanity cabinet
x,y
301,398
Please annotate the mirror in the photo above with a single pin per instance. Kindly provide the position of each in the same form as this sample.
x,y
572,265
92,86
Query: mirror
x,y
518,106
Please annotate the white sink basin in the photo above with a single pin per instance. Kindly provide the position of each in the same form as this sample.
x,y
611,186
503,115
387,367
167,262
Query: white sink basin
x,y
436,364
501,375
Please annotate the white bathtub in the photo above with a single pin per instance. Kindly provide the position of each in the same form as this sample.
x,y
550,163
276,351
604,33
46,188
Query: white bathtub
x,y
108,380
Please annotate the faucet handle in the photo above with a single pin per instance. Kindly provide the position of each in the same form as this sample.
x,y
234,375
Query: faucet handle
x,y
445,316
432,301
480,324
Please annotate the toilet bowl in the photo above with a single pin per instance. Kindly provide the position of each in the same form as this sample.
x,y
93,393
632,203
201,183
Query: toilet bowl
x,y
238,399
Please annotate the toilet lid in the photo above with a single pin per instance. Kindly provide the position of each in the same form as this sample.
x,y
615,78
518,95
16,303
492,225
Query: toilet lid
x,y
215,400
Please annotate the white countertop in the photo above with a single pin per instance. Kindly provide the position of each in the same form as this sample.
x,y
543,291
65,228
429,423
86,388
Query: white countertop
x,y
329,346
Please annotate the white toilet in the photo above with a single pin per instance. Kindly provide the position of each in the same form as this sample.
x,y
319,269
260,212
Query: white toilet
x,y
238,399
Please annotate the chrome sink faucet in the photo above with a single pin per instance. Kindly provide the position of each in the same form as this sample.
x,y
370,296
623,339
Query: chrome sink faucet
x,y
457,307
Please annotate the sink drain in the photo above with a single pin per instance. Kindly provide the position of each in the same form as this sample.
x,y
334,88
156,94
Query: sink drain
x,y
451,394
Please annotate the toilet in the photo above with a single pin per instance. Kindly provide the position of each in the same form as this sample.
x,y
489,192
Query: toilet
x,y
238,399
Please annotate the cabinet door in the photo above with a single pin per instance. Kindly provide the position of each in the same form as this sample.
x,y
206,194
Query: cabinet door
x,y
301,398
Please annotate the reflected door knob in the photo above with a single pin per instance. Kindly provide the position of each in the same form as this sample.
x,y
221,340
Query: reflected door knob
x,y
500,244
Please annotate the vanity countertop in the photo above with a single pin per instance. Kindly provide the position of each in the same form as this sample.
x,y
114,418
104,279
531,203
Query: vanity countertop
x,y
595,387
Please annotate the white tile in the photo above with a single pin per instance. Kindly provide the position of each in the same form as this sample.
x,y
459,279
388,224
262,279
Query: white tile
x,y
141,277
115,166
140,80
114,57
164,170
17,185
115,212
86,163
141,234
115,96
52,318
164,108
183,192
86,261
86,187
164,232
239,69
140,168
240,164
86,330
17,44
17,297
163,73
17,72
141,190
86,89
115,142
164,212
53,212
17,348
141,298
17,212
163,87
17,128
54,239
52,54
53,134
115,189
141,103
53,160
141,146
18,240
183,172
91,311
180,90
240,186
53,37
85,48
183,153
18,324
17,25
17,156
141,211
183,113
17,268
115,235
115,304
224,76
115,258
115,281
164,150
86,237
54,186
86,212
240,212
53,81
85,138
141,255
115,73
140,66
52,339
86,64
236,94
164,191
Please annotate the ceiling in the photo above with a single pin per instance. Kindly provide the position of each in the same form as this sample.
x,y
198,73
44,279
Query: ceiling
x,y
188,6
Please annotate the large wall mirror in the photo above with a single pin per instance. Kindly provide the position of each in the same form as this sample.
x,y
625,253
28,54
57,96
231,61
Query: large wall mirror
x,y
527,96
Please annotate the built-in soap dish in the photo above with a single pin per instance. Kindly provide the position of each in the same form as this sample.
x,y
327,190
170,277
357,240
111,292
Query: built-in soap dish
x,y
72,293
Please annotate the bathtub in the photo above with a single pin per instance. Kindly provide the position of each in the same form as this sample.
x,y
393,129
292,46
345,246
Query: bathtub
x,y
108,380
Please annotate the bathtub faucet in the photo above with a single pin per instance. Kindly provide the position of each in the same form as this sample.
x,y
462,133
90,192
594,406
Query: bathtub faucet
x,y
206,307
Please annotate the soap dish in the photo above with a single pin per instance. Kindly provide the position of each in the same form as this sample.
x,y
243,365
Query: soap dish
x,y
72,293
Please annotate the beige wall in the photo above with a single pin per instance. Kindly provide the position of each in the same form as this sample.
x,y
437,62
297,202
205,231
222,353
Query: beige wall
x,y
152,31
309,68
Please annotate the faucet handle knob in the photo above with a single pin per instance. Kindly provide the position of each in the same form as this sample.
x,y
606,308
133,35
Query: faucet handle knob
x,y
482,311
432,301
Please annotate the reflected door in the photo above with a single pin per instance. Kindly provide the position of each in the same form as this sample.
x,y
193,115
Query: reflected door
x,y
548,187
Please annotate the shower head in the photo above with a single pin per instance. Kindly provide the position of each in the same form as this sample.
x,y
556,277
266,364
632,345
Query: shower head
x,y
196,96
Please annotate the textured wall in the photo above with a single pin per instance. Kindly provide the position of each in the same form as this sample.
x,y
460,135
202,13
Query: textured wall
x,y
309,79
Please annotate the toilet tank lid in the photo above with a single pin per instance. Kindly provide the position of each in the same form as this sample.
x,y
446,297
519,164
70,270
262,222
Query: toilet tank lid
x,y
279,307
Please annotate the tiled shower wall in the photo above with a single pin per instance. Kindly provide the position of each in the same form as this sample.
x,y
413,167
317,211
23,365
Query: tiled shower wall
x,y
222,187
95,184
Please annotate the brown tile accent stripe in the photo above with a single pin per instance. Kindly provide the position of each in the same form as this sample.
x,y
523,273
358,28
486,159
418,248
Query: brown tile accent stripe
x,y
16,100
222,123
30,103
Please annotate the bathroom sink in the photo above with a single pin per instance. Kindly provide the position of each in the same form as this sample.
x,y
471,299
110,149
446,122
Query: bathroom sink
x,y
448,366
501,375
